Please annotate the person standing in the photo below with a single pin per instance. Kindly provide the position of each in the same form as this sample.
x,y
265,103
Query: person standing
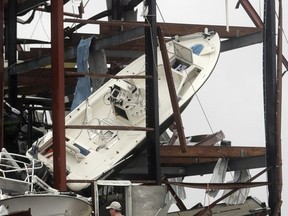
x,y
115,209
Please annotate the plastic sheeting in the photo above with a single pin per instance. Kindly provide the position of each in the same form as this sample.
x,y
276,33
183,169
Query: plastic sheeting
x,y
218,176
240,196
179,190
98,64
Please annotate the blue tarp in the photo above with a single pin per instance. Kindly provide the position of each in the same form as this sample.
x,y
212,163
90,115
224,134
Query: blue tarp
x,y
83,87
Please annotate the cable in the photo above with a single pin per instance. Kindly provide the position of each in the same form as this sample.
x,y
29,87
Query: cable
x,y
162,18
44,27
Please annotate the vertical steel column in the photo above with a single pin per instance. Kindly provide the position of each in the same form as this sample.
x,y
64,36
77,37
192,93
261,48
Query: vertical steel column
x,y
116,10
1,73
279,113
58,106
11,33
269,87
152,108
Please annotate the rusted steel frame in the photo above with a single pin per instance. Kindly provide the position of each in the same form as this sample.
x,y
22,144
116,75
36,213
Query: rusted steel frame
x,y
279,112
1,74
211,139
172,161
172,91
93,74
179,202
102,127
220,186
284,60
252,13
212,205
145,182
64,13
211,151
58,106
258,23
109,23
172,29
71,52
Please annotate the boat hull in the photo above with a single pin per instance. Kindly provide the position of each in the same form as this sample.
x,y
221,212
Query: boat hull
x,y
94,153
47,204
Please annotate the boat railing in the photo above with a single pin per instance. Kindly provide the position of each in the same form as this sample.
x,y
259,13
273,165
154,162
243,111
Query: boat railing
x,y
106,136
16,167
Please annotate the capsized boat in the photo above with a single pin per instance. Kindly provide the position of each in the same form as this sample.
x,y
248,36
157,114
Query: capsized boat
x,y
90,153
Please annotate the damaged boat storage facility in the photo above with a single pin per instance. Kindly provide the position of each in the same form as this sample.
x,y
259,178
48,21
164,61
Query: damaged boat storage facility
x,y
90,118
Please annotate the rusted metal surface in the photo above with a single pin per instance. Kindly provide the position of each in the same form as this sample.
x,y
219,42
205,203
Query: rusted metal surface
x,y
279,113
172,161
211,151
109,23
95,74
102,127
220,186
172,29
252,13
58,107
256,19
172,92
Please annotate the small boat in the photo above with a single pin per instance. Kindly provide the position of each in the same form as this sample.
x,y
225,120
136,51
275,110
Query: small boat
x,y
46,204
23,189
92,152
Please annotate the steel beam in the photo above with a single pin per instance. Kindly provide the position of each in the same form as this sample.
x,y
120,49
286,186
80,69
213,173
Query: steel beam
x,y
252,13
243,41
58,106
1,73
11,35
172,92
136,168
26,6
269,88
71,52
152,103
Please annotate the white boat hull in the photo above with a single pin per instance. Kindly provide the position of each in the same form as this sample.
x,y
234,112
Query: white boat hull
x,y
47,204
91,153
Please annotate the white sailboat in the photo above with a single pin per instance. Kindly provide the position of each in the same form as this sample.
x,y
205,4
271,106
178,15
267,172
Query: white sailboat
x,y
121,102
